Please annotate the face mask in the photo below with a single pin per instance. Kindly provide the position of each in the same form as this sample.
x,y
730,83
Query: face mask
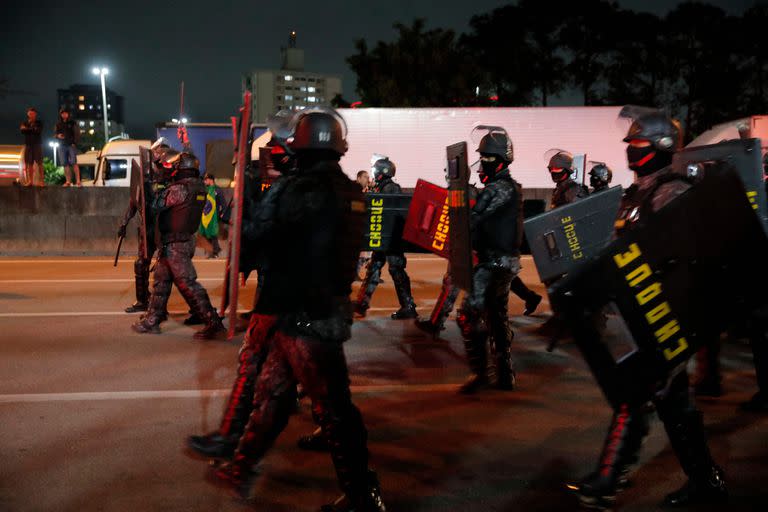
x,y
281,160
489,169
647,160
558,175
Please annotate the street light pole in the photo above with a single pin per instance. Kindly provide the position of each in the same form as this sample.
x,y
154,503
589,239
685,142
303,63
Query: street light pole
x,y
102,72
53,146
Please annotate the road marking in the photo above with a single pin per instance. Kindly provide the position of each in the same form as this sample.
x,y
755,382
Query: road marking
x,y
32,259
69,281
202,393
119,313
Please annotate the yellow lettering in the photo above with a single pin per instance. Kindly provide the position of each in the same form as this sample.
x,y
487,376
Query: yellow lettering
x,y
663,334
377,202
375,243
578,255
658,313
670,354
622,260
648,294
438,245
639,275
565,220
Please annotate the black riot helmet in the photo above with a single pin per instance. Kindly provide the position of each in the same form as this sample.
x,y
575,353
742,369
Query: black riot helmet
x,y
283,158
318,129
184,161
495,148
600,176
382,167
560,164
653,138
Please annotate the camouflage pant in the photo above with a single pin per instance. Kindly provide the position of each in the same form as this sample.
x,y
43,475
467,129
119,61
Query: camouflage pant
x,y
321,368
174,266
484,311
402,282
141,269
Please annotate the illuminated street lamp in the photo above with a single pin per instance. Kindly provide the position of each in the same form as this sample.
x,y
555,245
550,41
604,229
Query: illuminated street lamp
x,y
102,72
54,146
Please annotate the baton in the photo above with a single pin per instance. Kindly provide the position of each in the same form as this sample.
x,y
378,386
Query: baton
x,y
117,254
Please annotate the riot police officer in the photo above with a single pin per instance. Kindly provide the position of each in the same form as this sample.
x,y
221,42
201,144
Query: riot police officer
x,y
178,209
383,171
652,140
566,189
600,177
312,219
497,230
142,264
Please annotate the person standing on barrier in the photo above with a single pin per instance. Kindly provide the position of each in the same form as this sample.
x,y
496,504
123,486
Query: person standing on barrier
x,y
383,173
652,140
496,224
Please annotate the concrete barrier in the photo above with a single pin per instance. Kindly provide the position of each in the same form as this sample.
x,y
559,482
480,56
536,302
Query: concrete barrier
x,y
78,221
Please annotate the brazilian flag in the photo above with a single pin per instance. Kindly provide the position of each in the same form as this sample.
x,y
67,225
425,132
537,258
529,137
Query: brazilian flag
x,y
209,224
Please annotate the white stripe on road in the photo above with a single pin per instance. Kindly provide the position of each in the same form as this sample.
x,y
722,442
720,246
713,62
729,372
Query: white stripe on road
x,y
201,393
120,313
69,281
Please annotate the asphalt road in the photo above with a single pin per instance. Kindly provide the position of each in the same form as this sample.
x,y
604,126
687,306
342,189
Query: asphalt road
x,y
93,417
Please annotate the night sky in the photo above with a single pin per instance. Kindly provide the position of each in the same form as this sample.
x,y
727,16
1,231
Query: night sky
x,y
150,47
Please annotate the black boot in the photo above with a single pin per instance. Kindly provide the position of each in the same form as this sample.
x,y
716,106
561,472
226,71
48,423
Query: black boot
x,y
403,289
213,445
531,298
147,324
622,444
685,429
367,499
369,284
193,319
405,313
428,327
477,357
708,487
505,375
137,307
314,442
213,327
235,478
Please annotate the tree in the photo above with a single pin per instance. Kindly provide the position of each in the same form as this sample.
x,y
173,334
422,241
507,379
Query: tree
x,y
588,36
338,101
421,68
754,55
499,48
637,66
705,77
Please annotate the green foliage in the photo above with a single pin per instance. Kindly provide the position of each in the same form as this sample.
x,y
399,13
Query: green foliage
x,y
53,175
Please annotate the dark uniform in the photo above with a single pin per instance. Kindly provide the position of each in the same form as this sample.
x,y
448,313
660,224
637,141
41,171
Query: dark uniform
x,y
310,225
656,186
178,209
222,442
383,171
141,265
497,231
759,342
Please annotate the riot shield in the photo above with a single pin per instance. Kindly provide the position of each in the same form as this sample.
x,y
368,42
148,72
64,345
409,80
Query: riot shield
x,y
386,215
744,155
231,278
567,236
427,224
670,284
137,197
460,248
